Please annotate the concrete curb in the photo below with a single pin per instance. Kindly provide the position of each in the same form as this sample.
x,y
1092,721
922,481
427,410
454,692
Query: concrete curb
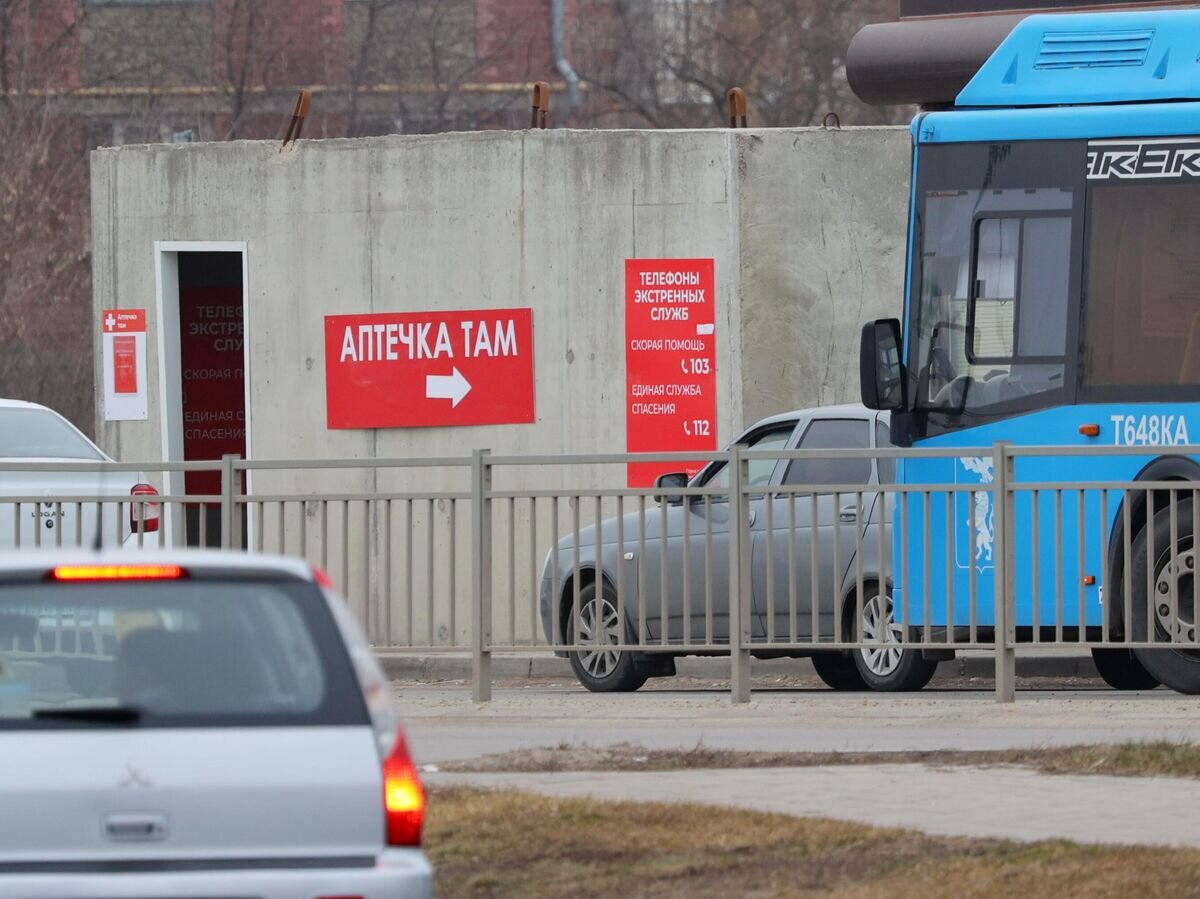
x,y
435,668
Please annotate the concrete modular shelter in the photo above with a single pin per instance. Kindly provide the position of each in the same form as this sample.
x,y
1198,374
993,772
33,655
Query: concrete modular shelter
x,y
806,227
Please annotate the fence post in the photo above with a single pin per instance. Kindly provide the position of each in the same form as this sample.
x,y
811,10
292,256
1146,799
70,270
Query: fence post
x,y
1005,638
739,579
481,585
228,502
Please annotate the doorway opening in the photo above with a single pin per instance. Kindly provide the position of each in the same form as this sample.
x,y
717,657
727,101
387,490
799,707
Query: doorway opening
x,y
202,306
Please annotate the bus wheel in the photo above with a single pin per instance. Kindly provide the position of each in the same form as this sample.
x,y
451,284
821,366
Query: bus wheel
x,y
884,666
1172,613
1122,671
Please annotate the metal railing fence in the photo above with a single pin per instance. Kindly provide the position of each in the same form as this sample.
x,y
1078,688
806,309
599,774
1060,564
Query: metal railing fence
x,y
989,549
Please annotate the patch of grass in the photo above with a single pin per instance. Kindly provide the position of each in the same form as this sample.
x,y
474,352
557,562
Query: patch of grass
x,y
1162,759
506,843
1156,759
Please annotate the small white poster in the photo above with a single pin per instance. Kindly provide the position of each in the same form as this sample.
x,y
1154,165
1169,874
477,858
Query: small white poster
x,y
123,333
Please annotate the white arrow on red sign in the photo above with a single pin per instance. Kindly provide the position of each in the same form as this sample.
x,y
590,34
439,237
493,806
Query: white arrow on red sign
x,y
416,369
451,387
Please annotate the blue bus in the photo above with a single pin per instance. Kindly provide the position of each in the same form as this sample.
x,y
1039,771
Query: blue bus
x,y
1053,300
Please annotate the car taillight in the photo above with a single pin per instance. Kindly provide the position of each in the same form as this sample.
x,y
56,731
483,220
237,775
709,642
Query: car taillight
x,y
321,578
403,796
143,516
116,572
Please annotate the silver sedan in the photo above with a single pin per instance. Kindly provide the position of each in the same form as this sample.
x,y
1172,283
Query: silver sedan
x,y
677,554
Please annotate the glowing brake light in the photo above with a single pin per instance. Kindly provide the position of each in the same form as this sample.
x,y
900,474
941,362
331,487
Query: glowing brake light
x,y
117,572
322,578
403,796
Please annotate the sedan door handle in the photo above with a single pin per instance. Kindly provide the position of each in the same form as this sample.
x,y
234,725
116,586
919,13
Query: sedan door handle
x,y
849,514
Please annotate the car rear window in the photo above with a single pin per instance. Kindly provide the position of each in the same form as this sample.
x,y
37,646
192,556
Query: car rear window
x,y
38,434
179,653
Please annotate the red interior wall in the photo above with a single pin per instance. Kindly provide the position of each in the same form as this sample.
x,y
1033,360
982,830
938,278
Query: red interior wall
x,y
211,345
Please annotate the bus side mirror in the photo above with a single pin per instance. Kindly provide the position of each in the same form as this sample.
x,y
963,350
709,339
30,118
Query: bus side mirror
x,y
881,373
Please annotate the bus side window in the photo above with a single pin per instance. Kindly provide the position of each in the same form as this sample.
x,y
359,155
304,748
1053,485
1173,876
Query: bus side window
x,y
994,299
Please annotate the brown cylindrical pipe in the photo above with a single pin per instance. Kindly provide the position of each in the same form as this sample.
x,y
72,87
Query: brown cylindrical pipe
x,y
927,63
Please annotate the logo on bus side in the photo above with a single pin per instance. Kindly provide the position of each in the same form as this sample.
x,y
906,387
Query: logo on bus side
x,y
1123,160
1149,430
975,509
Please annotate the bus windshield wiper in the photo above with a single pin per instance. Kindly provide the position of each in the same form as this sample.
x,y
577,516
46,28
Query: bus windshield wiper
x,y
100,714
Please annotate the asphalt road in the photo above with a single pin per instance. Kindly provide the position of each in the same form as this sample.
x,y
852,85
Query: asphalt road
x,y
443,724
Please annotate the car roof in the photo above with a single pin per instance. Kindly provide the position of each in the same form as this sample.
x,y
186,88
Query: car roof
x,y
23,404
210,560
845,410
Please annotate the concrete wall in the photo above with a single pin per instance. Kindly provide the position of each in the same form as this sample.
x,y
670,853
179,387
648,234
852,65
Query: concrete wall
x,y
822,221
806,227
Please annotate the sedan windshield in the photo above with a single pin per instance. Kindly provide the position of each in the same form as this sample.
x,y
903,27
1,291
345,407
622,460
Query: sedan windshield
x,y
171,653
40,434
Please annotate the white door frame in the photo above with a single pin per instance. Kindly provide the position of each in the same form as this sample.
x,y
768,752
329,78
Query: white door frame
x,y
170,377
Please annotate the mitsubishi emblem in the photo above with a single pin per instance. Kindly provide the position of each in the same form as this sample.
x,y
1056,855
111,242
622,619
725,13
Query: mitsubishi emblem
x,y
133,779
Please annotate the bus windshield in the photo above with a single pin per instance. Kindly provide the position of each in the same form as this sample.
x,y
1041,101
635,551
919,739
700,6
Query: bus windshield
x,y
993,285
1006,316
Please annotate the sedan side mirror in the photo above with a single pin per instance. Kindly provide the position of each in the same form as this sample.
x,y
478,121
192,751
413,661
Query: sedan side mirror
x,y
883,381
675,480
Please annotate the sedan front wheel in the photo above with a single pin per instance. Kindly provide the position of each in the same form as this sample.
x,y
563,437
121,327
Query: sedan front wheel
x,y
882,662
600,669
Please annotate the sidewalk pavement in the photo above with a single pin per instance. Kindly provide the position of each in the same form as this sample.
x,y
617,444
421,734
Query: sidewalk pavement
x,y
1000,802
443,724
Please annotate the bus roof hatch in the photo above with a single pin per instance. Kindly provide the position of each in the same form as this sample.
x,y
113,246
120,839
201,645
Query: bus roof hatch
x,y
1092,58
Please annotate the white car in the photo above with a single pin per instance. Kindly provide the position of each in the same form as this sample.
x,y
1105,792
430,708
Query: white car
x,y
33,433
196,723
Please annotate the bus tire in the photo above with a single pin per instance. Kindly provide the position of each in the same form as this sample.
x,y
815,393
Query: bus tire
x,y
838,671
1121,670
1178,669
886,670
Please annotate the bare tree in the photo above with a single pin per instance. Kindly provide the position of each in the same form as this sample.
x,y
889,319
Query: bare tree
x,y
670,62
45,352
262,51
431,65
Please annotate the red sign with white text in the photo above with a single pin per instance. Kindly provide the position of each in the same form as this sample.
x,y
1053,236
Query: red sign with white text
x,y
670,362
123,321
125,363
429,369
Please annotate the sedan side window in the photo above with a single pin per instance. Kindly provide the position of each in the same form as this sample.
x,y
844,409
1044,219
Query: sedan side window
x,y
887,467
760,469
832,434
